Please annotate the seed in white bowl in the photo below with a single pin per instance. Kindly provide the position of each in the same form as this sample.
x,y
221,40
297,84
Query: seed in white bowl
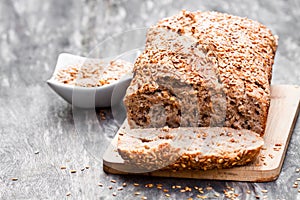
x,y
93,73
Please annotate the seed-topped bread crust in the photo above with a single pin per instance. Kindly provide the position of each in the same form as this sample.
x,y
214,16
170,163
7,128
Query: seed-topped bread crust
x,y
235,56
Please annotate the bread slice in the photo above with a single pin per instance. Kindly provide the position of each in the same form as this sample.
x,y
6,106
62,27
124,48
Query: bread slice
x,y
187,148
169,88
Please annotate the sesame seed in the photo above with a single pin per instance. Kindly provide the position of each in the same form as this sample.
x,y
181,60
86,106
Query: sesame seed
x,y
100,184
68,194
201,197
113,181
264,191
209,188
124,184
114,194
14,179
87,167
63,167
137,193
165,190
110,187
144,198
36,152
188,188
73,171
120,188
149,185
167,195
136,184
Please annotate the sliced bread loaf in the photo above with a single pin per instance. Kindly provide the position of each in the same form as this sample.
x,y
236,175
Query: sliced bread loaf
x,y
187,148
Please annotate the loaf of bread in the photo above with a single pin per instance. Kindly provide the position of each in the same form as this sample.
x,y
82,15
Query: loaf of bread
x,y
190,148
203,69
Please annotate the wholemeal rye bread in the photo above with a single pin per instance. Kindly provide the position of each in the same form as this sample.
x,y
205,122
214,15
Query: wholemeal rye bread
x,y
193,148
203,69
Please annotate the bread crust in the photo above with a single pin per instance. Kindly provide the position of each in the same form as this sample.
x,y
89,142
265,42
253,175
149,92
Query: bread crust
x,y
238,51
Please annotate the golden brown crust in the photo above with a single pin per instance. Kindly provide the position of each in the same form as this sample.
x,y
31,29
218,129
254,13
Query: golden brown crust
x,y
243,51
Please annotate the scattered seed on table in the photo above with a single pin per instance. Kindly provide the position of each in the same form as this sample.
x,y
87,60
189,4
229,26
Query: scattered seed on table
x,y
297,170
178,186
87,167
114,194
113,181
136,184
217,195
264,191
124,184
144,198
120,188
137,193
295,186
167,195
149,185
201,197
100,184
248,191
159,185
183,190
14,179
110,187
82,169
165,190
63,167
209,188
68,194
73,171
36,152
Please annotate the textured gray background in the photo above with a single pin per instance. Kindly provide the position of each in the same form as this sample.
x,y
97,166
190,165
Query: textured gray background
x,y
33,118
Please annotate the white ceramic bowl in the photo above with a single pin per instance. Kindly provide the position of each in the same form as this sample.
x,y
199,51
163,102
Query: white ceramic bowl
x,y
84,97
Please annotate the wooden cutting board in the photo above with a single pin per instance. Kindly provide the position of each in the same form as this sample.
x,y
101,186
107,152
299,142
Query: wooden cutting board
x,y
283,113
